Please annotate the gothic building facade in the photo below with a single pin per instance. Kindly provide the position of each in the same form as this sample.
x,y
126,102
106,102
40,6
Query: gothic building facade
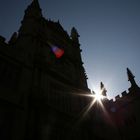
x,y
44,93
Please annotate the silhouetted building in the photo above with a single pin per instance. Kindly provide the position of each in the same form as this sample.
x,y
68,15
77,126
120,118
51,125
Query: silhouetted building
x,y
44,93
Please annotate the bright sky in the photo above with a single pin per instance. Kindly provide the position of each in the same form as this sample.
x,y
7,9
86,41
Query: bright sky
x,y
109,30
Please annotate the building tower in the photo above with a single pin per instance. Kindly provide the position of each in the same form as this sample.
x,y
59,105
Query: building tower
x,y
82,77
45,42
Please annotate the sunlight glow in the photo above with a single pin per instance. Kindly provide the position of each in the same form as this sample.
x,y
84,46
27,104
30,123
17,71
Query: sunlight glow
x,y
97,97
96,104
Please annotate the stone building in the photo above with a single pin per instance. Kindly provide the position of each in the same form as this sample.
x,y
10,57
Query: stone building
x,y
44,93
41,76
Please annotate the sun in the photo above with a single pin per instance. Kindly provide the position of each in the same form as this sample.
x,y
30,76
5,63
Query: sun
x,y
98,97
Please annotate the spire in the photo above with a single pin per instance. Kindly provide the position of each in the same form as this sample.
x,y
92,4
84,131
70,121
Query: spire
x,y
74,35
131,77
103,90
33,10
31,19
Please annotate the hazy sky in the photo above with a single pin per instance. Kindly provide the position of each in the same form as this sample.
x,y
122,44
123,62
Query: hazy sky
x,y
109,30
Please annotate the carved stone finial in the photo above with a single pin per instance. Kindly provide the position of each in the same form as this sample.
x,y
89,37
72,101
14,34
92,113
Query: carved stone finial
x,y
103,90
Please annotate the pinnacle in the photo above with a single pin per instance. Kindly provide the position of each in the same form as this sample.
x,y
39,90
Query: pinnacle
x,y
130,74
101,85
74,34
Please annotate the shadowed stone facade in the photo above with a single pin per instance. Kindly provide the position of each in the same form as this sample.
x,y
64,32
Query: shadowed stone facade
x,y
44,93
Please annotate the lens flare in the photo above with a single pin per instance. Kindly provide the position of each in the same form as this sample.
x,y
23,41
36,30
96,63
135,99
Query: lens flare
x,y
57,51
97,103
